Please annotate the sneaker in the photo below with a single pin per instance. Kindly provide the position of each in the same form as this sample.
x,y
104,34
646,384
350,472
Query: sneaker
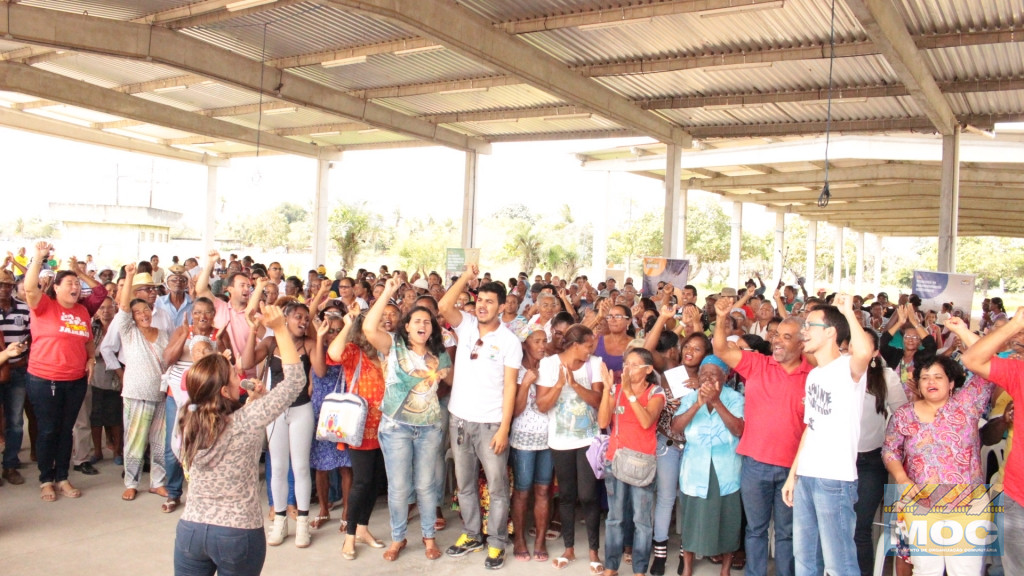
x,y
13,476
87,469
464,545
495,558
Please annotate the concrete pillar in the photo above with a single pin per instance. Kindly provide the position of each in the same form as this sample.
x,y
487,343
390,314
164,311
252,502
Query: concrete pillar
x,y
674,243
211,208
469,202
837,261
599,258
859,272
949,201
878,263
321,229
735,244
779,247
812,255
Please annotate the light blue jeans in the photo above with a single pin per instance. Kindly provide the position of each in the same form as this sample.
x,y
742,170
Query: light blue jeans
x,y
667,483
175,475
823,526
410,457
761,485
623,498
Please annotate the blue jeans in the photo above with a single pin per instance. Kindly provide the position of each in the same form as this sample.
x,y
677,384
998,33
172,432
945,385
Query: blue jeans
x,y
12,396
531,468
761,486
622,498
175,479
410,454
56,405
823,526
202,549
667,485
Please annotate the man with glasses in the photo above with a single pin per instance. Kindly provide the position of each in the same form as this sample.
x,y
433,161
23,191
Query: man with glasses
x,y
177,303
822,484
774,416
482,400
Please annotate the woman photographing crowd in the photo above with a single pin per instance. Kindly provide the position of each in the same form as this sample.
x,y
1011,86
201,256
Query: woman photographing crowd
x,y
222,527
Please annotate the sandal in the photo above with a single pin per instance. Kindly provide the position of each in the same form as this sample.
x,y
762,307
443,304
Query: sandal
x,y
391,554
129,494
739,561
68,491
554,531
369,541
343,526
47,493
627,558
170,505
716,559
440,524
540,555
317,521
561,563
523,555
349,554
596,569
432,551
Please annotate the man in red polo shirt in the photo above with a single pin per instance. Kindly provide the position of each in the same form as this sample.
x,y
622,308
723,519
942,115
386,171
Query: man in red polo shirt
x,y
1008,374
774,417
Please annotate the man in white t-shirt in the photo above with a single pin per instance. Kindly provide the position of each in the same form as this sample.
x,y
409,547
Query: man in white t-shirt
x,y
487,365
822,484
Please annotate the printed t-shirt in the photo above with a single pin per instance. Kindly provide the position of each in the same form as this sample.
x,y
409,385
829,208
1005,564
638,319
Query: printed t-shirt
x,y
572,423
59,336
832,409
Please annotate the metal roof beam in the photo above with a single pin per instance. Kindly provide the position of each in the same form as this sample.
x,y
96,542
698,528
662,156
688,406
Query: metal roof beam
x,y
467,33
968,192
514,114
843,126
154,85
67,131
27,80
579,135
208,12
20,23
888,32
874,173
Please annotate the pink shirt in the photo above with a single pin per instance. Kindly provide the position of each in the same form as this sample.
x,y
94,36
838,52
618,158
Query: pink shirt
x,y
226,318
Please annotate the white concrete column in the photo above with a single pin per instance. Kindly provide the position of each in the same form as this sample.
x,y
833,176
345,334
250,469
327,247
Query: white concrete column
x,y
469,202
859,272
674,242
599,257
321,229
949,201
735,244
837,261
878,263
211,208
812,255
779,247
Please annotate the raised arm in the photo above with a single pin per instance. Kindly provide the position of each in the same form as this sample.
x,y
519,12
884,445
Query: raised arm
x,y
372,327
719,341
780,305
32,292
651,339
447,304
124,298
337,346
978,358
318,355
862,348
203,281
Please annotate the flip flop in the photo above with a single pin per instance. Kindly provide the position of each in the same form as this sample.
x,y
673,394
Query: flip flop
x,y
317,521
47,493
129,494
738,562
596,569
561,563
523,555
540,556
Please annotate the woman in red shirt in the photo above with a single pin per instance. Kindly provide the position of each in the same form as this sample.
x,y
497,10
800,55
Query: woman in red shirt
x,y
59,365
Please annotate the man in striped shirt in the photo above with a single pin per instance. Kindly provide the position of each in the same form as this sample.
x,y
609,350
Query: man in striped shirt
x,y
14,318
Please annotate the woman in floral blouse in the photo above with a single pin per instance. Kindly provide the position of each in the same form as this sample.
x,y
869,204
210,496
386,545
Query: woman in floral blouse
x,y
934,440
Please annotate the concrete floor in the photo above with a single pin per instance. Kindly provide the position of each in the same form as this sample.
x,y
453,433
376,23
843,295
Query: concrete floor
x,y
100,534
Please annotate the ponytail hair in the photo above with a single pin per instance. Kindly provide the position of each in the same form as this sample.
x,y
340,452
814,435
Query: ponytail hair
x,y
206,417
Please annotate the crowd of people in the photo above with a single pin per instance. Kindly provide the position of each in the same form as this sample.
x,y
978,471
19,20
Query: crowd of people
x,y
748,412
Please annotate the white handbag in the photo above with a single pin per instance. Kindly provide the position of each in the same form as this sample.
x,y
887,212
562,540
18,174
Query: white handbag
x,y
343,414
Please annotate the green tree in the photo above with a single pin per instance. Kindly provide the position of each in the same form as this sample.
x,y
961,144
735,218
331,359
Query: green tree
x,y
349,227
644,236
424,246
708,234
525,246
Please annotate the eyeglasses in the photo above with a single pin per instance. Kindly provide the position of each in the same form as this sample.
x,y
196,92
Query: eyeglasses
x,y
145,289
820,324
631,366
476,349
617,316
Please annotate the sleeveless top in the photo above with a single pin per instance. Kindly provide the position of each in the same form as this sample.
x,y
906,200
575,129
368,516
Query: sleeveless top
x,y
277,373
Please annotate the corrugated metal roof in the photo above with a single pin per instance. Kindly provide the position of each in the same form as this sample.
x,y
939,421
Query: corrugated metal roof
x,y
496,98
303,117
938,16
977,62
107,71
537,126
200,97
390,70
116,9
508,10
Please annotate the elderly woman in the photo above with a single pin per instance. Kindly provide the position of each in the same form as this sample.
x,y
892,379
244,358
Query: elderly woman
x,y
410,431
142,347
569,387
712,418
934,440
631,410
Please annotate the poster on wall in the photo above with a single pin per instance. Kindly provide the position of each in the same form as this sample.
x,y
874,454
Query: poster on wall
x,y
937,288
457,258
669,270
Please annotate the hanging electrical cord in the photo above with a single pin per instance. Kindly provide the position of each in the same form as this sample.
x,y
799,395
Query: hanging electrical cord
x,y
258,176
826,195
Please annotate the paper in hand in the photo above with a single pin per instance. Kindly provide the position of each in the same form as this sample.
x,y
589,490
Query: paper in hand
x,y
677,379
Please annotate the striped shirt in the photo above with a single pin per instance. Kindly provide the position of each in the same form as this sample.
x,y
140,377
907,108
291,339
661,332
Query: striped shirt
x,y
14,324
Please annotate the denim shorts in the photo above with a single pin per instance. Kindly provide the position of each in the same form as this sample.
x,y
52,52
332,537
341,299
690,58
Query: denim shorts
x,y
531,467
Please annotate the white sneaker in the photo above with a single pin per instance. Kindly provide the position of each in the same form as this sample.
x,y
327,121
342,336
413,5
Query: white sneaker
x,y
302,537
279,531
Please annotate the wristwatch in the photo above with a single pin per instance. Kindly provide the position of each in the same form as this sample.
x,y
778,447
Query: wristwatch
x,y
631,398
